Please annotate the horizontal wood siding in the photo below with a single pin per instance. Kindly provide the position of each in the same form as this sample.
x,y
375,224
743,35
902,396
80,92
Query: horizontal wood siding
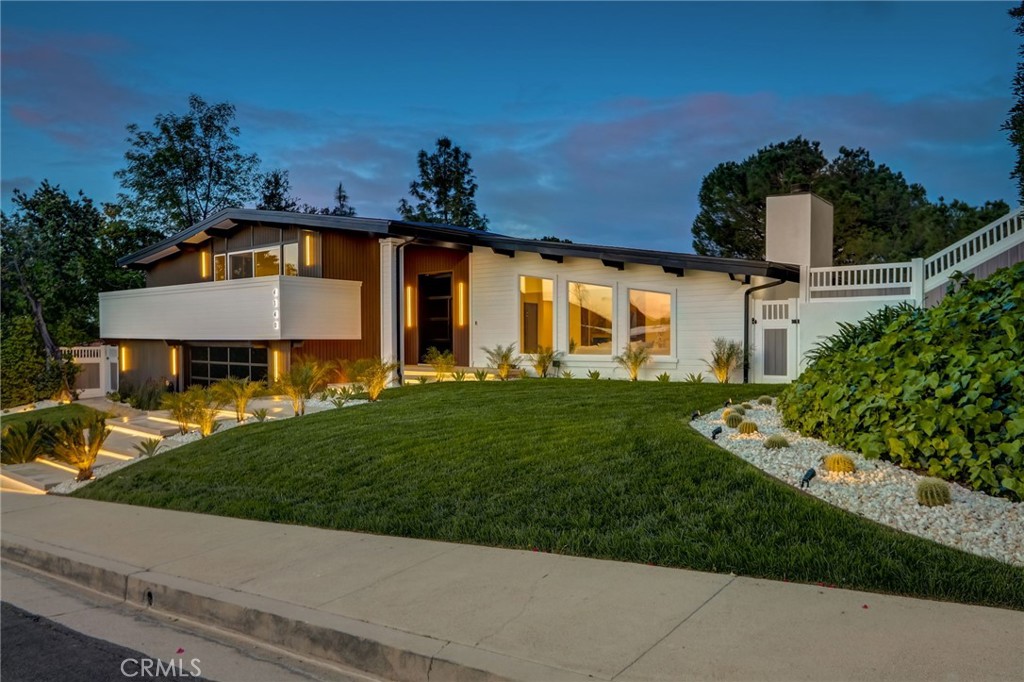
x,y
354,258
423,260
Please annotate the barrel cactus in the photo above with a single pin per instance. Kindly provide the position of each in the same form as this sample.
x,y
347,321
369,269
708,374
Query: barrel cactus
x,y
747,406
838,464
735,409
933,492
747,427
764,400
776,441
733,420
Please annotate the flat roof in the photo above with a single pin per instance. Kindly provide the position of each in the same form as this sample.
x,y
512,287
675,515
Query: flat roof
x,y
223,222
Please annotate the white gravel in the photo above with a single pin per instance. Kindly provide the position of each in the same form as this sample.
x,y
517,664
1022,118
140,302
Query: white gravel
x,y
172,442
974,521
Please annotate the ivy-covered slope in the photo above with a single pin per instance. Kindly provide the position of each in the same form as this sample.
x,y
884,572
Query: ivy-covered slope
x,y
940,390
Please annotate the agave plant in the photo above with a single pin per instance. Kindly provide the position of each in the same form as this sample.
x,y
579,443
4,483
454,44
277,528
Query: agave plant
x,y
480,374
694,378
725,357
148,447
443,362
503,359
261,414
594,374
568,375
78,443
375,377
543,359
239,392
306,377
459,376
634,356
664,378
25,442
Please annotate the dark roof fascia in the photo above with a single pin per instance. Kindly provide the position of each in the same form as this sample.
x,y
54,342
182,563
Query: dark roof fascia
x,y
556,250
227,219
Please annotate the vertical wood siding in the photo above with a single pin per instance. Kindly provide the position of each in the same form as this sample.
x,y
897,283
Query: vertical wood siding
x,y
424,260
183,268
357,258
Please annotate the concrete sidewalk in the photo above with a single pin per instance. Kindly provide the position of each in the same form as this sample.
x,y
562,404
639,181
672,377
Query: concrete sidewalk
x,y
405,609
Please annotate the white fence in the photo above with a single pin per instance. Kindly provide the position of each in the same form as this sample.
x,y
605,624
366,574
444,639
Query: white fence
x,y
974,249
873,281
98,375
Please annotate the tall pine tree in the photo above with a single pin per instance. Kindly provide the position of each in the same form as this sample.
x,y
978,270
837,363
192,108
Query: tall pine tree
x,y
445,190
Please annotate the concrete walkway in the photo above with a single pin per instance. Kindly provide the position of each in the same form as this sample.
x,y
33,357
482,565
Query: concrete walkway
x,y
406,609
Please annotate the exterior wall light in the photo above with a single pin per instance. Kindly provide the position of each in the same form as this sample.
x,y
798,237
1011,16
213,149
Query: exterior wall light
x,y
462,304
408,306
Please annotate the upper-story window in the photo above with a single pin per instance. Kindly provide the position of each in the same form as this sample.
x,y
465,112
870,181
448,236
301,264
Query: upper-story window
x,y
282,259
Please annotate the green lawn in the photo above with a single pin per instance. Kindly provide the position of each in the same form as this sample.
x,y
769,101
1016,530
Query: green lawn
x,y
591,468
50,415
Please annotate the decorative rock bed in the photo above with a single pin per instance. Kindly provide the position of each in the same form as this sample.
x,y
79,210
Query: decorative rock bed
x,y
973,522
172,442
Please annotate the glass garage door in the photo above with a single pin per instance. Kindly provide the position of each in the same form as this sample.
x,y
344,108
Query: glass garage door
x,y
210,364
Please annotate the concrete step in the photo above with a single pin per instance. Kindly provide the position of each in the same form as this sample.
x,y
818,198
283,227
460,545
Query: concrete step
x,y
144,427
122,444
41,474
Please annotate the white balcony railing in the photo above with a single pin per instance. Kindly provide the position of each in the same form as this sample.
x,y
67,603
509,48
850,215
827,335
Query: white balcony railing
x,y
261,308
974,249
882,280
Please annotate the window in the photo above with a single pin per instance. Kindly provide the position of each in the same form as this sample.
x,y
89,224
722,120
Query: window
x,y
219,267
241,265
291,259
650,320
268,262
536,330
590,319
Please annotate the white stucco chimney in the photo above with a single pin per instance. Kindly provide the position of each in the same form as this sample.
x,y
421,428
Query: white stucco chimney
x,y
798,229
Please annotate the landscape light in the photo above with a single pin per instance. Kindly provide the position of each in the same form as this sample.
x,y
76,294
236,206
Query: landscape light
x,y
805,482
727,403
716,433
696,413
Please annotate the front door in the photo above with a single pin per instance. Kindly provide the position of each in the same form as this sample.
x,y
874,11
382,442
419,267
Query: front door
x,y
435,312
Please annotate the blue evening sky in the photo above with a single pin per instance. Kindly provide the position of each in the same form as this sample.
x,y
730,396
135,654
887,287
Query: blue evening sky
x,y
592,121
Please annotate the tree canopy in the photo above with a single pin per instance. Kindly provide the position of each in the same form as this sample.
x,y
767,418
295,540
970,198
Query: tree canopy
x,y
878,215
276,192
446,188
185,168
1014,125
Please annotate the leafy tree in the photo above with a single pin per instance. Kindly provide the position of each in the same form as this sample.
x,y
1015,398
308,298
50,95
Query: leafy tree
x,y
186,168
275,192
878,215
21,361
732,196
445,190
342,207
552,238
1014,125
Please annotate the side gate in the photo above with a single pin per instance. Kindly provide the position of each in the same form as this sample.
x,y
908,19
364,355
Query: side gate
x,y
774,356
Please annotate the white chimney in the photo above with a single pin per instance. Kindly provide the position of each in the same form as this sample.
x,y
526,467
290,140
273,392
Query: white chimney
x,y
798,230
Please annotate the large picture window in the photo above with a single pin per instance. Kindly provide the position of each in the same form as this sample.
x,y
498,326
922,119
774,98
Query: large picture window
x,y
650,320
590,319
536,329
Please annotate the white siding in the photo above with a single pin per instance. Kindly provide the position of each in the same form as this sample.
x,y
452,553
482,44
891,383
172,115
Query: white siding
x,y
705,305
235,310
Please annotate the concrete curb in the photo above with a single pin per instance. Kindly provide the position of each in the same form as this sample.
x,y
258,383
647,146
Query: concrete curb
x,y
25,480
374,649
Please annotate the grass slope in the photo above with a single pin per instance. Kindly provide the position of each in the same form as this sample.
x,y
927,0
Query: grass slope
x,y
603,469
49,415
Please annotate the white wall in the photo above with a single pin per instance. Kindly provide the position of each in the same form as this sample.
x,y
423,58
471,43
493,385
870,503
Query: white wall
x,y
705,305
821,318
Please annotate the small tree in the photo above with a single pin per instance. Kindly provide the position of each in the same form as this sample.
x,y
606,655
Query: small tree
x,y
445,190
304,378
276,192
725,357
442,362
503,359
78,443
204,404
180,407
634,356
238,392
375,377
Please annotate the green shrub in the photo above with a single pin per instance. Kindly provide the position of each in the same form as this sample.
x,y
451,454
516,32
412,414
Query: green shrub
x,y
940,389
305,377
459,376
933,492
664,378
422,380
204,405
375,377
261,414
633,358
239,392
694,378
838,464
747,427
442,362
21,360
480,374
594,374
543,359
78,442
180,407
764,400
776,441
149,396
148,447
568,375
503,359
733,420
22,443
854,334
725,357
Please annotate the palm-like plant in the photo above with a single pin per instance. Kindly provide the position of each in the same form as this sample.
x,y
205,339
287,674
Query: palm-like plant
x,y
204,404
78,443
725,357
503,359
633,357
180,407
442,362
148,447
23,443
375,377
305,377
543,359
239,392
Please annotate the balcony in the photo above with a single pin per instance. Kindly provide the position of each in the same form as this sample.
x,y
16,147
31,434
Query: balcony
x,y
263,308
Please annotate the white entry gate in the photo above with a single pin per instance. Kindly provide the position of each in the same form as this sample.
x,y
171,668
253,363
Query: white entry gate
x,y
98,374
774,358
